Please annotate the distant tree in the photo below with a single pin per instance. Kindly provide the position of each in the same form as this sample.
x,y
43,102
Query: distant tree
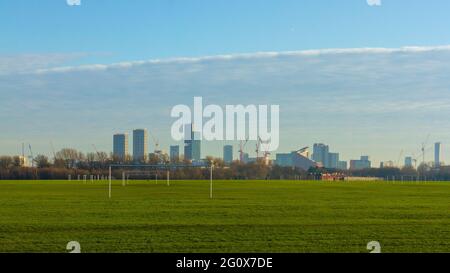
x,y
59,163
17,162
102,157
153,159
42,161
91,159
409,171
70,157
218,162
423,169
6,162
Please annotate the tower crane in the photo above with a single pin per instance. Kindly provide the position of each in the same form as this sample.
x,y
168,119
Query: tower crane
x,y
399,158
424,145
259,143
423,150
258,147
266,151
31,157
241,150
156,142
100,156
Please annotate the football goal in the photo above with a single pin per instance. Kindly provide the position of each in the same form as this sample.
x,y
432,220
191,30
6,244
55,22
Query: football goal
x,y
161,172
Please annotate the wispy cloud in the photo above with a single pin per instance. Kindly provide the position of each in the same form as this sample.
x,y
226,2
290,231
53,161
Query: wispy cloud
x,y
29,63
250,56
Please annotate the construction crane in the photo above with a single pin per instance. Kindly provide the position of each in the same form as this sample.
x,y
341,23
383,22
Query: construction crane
x,y
241,150
266,150
258,147
421,154
156,142
99,155
399,158
259,143
424,145
31,157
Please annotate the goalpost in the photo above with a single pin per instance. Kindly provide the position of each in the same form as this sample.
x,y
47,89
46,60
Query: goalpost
x,y
145,175
154,169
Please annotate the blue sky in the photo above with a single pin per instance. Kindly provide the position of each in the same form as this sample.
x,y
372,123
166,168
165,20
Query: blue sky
x,y
121,30
358,101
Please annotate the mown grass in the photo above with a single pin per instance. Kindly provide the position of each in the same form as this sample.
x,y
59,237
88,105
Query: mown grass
x,y
244,216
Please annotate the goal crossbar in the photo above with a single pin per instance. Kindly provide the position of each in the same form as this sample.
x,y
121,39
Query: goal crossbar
x,y
160,167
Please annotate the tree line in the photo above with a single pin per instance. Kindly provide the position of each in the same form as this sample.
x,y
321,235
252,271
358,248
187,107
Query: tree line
x,y
77,164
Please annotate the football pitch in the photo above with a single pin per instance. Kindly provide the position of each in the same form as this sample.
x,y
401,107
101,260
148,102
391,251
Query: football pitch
x,y
243,216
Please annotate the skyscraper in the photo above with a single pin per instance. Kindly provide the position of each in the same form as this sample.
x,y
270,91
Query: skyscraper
x,y
188,142
437,154
342,165
228,154
174,153
321,154
363,163
196,148
333,161
408,162
120,146
140,145
192,144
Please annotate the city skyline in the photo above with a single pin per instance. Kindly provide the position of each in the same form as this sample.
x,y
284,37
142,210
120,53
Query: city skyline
x,y
353,76
320,155
144,148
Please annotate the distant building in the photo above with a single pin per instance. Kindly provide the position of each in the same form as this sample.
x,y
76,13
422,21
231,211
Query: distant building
x,y
196,150
387,164
437,154
175,153
24,162
246,158
408,162
140,145
228,154
363,163
192,144
250,159
188,137
333,161
321,154
284,160
323,157
342,165
120,146
298,159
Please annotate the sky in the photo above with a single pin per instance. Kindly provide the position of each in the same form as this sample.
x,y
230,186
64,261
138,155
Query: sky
x,y
365,79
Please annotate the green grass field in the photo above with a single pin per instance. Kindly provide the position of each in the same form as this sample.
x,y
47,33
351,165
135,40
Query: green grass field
x,y
244,216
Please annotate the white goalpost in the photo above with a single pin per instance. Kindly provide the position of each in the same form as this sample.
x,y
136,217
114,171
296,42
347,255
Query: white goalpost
x,y
154,169
145,175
